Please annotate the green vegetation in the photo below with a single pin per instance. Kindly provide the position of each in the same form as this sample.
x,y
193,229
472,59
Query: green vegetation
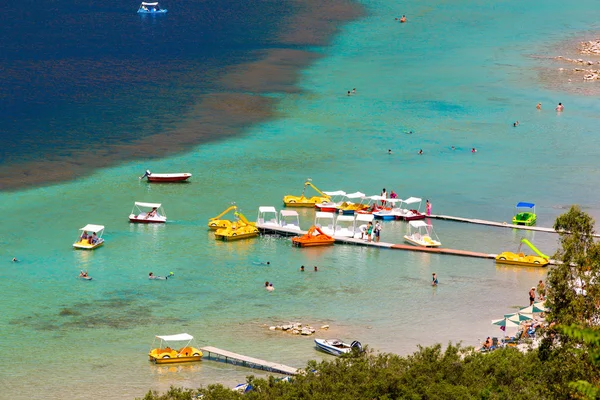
x,y
566,365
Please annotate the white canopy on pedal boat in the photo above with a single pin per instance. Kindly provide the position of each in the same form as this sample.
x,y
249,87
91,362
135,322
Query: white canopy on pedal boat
x,y
289,219
93,228
175,338
336,193
150,205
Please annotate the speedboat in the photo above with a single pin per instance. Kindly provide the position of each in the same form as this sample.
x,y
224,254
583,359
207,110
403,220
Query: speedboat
x,y
331,205
301,201
325,222
518,258
349,207
267,216
174,177
411,214
164,354
336,346
389,213
526,218
289,219
240,229
344,226
151,8
421,234
147,213
314,237
90,241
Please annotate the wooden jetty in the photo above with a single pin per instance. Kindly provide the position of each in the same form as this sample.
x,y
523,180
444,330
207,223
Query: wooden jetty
x,y
250,362
496,224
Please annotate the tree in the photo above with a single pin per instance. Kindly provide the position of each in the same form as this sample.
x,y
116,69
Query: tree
x,y
579,266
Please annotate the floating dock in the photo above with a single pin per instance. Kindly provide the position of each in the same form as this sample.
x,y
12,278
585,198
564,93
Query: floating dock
x,y
496,224
250,362
270,229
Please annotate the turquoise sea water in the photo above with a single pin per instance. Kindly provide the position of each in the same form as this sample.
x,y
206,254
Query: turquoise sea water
x,y
458,73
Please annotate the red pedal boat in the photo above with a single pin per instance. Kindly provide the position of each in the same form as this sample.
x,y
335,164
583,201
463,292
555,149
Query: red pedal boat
x,y
177,177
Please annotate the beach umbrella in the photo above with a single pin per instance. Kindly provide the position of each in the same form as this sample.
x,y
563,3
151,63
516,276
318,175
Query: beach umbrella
x,y
518,317
534,309
505,323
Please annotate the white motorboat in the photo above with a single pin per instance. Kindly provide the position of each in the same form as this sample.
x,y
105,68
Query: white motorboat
x,y
336,198
336,346
344,226
91,240
289,219
145,213
267,216
411,213
361,222
421,234
325,222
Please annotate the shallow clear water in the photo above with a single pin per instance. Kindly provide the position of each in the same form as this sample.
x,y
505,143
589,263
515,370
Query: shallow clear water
x,y
454,74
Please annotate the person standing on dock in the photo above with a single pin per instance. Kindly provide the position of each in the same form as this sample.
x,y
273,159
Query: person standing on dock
x,y
369,231
377,231
384,195
428,208
532,296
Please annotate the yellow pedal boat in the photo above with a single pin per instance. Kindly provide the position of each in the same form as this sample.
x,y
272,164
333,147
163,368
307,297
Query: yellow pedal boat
x,y
164,354
92,240
241,229
507,257
218,223
302,201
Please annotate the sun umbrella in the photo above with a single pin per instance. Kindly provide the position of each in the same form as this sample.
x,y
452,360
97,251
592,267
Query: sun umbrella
x,y
505,323
534,309
518,317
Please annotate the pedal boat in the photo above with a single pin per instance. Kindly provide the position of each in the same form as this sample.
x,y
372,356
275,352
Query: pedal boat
x,y
151,8
84,244
411,214
344,226
166,178
314,237
349,207
164,354
333,203
388,214
218,223
325,222
518,258
267,217
241,229
420,233
374,205
144,214
336,347
289,219
527,218
302,201
361,229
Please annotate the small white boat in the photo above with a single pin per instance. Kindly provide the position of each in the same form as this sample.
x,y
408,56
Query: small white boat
x,y
344,226
147,213
174,177
89,241
414,213
421,234
289,219
336,346
325,222
336,198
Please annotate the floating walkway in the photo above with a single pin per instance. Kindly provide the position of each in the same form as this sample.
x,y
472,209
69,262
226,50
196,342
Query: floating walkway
x,y
496,224
270,229
250,362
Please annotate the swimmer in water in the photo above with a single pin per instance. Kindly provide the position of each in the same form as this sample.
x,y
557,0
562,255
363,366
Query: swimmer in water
x,y
473,150
421,152
389,151
560,107
316,269
302,268
403,19
539,106
516,124
453,148
15,259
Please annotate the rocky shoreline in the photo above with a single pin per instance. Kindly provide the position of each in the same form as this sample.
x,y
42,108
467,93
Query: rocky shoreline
x,y
591,47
